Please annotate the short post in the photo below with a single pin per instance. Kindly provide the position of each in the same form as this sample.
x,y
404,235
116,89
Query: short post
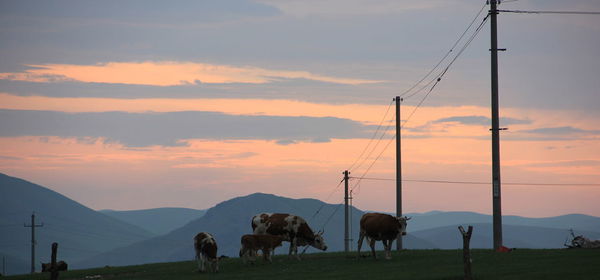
x,y
53,267
466,251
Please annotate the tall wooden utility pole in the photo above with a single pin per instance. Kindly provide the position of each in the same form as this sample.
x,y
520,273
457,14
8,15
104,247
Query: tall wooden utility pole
x,y
398,169
346,216
496,186
33,226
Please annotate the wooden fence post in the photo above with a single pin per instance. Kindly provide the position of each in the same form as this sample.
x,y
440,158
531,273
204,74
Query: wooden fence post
x,y
53,268
466,251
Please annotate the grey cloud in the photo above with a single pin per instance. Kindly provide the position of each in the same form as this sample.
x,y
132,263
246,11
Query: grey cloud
x,y
568,163
10,158
357,46
465,120
296,89
286,142
169,129
480,120
151,11
563,130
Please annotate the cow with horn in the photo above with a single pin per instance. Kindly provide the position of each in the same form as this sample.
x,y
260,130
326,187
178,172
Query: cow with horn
x,y
290,228
384,227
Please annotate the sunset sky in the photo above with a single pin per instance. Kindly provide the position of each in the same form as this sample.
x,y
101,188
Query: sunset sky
x,y
144,103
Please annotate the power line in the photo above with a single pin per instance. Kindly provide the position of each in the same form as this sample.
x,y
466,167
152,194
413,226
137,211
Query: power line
x,y
444,57
323,205
437,79
550,12
331,216
373,137
479,183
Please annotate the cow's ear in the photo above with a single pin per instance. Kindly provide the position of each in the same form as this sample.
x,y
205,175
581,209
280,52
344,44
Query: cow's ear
x,y
407,218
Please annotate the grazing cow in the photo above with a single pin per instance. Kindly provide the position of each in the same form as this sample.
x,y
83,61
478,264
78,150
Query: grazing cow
x,y
206,251
251,243
60,266
384,227
290,228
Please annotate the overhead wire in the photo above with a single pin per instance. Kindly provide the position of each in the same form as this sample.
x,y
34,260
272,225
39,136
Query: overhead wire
x,y
436,80
446,55
373,137
549,12
323,205
479,183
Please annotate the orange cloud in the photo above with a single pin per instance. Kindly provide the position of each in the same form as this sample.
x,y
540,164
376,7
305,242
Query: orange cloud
x,y
168,73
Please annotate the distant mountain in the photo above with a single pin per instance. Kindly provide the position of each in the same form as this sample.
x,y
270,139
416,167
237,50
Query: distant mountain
x,y
89,239
229,220
514,236
80,231
436,219
159,220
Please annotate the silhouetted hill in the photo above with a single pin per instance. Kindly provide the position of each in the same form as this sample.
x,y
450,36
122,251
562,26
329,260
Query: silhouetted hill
x,y
158,220
81,232
436,219
514,236
229,220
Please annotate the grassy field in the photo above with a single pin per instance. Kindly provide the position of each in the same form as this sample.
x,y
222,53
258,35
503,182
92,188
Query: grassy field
x,y
409,264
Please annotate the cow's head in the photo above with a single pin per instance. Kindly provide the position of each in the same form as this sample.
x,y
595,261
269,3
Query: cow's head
x,y
319,241
402,224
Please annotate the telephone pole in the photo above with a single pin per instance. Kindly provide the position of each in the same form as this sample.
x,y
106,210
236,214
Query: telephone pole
x,y
33,226
346,216
398,169
496,185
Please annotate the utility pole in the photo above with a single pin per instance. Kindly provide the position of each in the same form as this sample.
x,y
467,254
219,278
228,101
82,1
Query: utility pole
x,y
496,186
33,226
346,216
398,169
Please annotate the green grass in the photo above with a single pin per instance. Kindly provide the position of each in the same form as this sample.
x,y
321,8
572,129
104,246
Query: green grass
x,y
409,264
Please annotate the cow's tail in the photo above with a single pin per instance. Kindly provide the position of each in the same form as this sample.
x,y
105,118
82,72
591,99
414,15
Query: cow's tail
x,y
252,224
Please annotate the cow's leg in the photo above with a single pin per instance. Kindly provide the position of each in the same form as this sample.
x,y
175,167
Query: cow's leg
x,y
291,248
387,246
360,241
267,255
372,244
198,260
294,246
201,261
216,265
244,255
253,254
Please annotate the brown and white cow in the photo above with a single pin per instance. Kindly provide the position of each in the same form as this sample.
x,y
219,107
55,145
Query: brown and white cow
x,y
206,251
293,229
251,243
384,227
60,266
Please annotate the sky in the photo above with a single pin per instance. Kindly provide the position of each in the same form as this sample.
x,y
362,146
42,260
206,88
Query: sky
x,y
142,104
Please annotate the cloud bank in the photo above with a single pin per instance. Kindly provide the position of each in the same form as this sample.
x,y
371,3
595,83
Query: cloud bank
x,y
166,73
173,128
